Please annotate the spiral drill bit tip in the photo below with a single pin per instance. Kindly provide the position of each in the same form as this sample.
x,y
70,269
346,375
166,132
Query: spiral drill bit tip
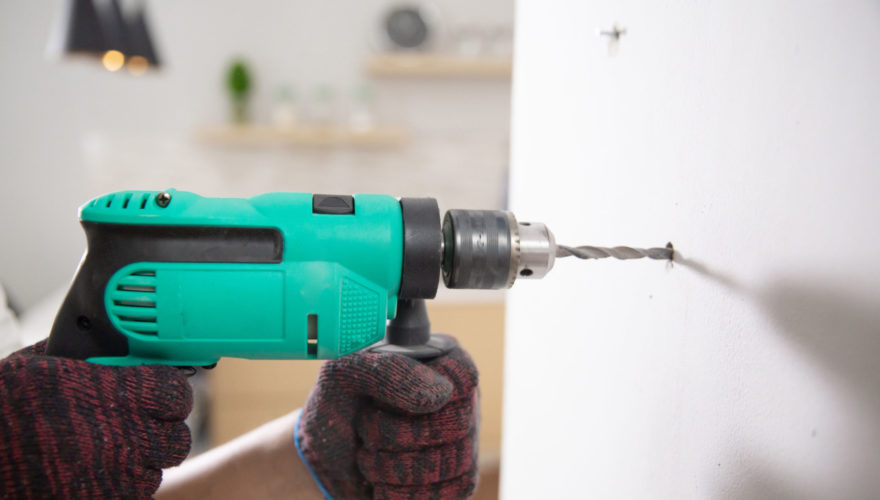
x,y
622,253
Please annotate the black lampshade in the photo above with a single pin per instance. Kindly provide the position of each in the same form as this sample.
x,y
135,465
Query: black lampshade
x,y
81,31
97,27
113,26
139,37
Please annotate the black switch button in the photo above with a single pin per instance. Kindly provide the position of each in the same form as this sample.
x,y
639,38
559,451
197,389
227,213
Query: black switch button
x,y
333,204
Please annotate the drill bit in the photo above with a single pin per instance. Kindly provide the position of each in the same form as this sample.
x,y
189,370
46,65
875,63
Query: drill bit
x,y
622,253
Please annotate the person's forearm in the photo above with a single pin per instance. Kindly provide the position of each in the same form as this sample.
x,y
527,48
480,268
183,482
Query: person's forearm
x,y
260,464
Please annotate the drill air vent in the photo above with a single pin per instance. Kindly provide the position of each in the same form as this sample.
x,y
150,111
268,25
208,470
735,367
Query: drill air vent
x,y
123,201
133,301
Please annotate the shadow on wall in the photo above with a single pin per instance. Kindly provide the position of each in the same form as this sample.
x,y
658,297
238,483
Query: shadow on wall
x,y
842,332
760,480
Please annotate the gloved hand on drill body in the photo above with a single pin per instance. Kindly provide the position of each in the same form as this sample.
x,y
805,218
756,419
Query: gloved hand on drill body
x,y
386,426
74,429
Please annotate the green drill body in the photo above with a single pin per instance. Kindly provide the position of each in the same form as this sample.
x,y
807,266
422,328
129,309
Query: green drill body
x,y
177,278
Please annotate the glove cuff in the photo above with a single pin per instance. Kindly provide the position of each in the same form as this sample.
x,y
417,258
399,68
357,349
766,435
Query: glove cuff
x,y
298,444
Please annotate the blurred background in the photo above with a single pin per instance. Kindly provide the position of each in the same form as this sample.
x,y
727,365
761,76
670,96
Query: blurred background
x,y
230,98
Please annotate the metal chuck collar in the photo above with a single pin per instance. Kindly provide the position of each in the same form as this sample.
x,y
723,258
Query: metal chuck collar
x,y
489,249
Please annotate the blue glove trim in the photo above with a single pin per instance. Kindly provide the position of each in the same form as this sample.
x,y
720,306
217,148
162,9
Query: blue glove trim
x,y
300,452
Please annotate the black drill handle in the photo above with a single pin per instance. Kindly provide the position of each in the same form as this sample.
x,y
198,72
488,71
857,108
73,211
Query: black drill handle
x,y
409,333
82,329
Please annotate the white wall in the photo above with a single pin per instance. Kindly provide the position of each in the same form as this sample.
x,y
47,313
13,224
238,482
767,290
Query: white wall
x,y
747,133
70,131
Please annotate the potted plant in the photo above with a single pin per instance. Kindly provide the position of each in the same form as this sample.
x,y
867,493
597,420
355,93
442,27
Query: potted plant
x,y
238,82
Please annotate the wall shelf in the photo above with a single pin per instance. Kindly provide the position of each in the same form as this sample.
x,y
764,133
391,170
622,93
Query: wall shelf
x,y
439,65
316,136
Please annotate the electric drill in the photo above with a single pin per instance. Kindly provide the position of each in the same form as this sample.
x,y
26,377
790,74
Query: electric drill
x,y
175,278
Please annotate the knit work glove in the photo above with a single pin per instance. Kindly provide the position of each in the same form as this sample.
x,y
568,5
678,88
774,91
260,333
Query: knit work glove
x,y
386,426
74,429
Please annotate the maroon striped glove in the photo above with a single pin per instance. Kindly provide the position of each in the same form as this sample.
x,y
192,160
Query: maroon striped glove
x,y
386,426
73,429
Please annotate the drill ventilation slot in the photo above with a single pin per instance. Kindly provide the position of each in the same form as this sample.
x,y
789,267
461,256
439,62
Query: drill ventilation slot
x,y
123,201
134,303
312,339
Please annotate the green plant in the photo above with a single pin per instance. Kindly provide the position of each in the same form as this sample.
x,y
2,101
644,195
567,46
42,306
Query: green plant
x,y
238,82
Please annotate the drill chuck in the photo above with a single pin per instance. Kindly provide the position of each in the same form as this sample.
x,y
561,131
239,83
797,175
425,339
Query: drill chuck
x,y
489,249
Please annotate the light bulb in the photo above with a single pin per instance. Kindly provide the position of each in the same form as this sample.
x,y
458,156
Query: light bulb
x,y
137,65
113,60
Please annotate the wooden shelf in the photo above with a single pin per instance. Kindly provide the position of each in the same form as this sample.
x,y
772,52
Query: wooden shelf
x,y
318,136
439,65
